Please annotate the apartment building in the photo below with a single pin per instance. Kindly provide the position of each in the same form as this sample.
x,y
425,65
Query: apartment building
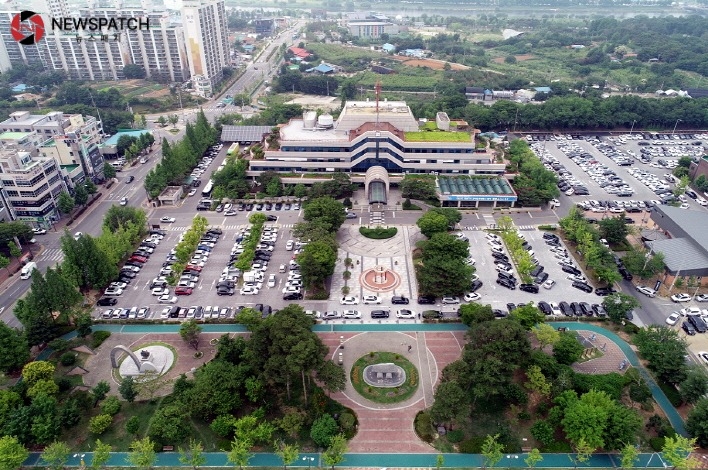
x,y
70,139
206,35
99,58
12,52
29,183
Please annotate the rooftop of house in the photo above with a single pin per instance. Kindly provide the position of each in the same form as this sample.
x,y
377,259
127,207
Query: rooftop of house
x,y
113,140
14,135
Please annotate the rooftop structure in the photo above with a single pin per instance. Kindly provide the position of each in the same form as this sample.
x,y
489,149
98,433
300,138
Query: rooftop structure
x,y
686,253
467,191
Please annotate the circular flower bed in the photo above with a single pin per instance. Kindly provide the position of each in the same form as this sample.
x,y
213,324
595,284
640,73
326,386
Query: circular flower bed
x,y
384,394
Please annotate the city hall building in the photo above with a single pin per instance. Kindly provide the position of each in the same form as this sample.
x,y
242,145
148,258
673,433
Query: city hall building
x,y
378,143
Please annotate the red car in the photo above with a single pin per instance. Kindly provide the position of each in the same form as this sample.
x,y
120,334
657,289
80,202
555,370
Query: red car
x,y
183,291
194,267
140,259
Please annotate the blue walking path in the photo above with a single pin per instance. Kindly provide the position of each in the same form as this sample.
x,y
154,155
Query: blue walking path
x,y
218,459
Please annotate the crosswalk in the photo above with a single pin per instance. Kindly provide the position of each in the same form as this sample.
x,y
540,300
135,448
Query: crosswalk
x,y
52,254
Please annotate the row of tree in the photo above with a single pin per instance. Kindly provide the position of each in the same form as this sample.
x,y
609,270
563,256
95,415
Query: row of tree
x,y
130,146
179,159
534,184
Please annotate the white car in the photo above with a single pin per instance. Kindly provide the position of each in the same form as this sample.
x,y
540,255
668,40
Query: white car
x,y
124,201
167,299
247,290
405,313
576,278
165,314
118,285
549,284
681,298
77,235
160,291
351,314
192,192
690,311
472,297
450,300
113,292
555,309
289,245
291,290
371,299
167,220
39,231
143,312
646,291
684,206
701,298
349,300
271,280
673,318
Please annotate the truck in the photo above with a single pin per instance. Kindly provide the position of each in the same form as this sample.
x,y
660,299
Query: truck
x,y
27,269
233,149
253,276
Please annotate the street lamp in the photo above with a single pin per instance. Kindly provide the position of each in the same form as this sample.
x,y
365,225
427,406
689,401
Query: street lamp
x,y
83,465
632,129
677,121
309,461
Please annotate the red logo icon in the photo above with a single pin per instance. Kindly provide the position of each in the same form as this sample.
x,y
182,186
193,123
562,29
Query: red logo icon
x,y
27,27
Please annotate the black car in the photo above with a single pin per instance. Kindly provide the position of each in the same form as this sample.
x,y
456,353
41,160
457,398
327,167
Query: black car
x,y
550,236
586,308
215,231
553,243
508,277
157,231
626,274
271,218
500,256
476,285
249,207
426,299
499,313
698,323
565,308
130,179
582,286
107,301
536,271
292,296
532,288
628,220
379,314
575,307
510,307
688,328
428,314
545,308
223,290
278,206
149,245
570,269
127,273
506,283
399,300
541,278
599,310
604,291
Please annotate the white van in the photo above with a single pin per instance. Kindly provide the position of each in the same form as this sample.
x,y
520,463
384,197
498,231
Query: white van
x,y
27,269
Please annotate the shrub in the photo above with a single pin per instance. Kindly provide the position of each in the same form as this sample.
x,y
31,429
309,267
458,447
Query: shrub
x,y
424,426
98,338
323,430
223,426
111,406
64,384
378,233
671,393
455,436
657,443
99,424
347,421
68,359
472,445
132,426
59,344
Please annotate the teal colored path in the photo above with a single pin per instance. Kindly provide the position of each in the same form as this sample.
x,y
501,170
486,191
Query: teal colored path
x,y
218,459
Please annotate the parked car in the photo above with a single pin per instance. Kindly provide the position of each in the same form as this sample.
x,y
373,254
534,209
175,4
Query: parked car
x,y
107,301
399,300
371,299
426,299
681,298
532,288
582,286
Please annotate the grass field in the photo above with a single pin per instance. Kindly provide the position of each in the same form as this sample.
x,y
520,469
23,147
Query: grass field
x,y
437,136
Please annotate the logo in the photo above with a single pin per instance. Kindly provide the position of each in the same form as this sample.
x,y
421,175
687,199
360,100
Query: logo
x,y
27,28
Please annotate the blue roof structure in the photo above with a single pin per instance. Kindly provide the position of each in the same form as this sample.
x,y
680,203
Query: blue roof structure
x,y
542,89
113,140
21,88
388,47
322,68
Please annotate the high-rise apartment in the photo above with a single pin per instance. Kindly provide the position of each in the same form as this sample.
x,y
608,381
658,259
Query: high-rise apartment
x,y
12,52
205,30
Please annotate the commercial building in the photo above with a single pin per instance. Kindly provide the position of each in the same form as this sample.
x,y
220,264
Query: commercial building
x,y
367,135
70,139
205,31
29,183
686,251
371,29
264,26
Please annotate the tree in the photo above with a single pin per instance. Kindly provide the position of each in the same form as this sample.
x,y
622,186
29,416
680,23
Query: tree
x,y
662,347
583,451
170,423
4,262
537,381
55,455
568,349
193,455
334,454
142,454
65,203
100,423
422,189
629,455
80,195
323,430
101,454
439,461
99,391
85,263
300,190
173,119
677,452
528,316
431,223
12,453
697,422
326,209
287,453
127,389
534,458
43,387
83,322
189,331
618,305
36,371
695,385
332,377
132,426
292,422
450,402
132,71
473,313
491,450
91,187
444,270
108,171
240,453
162,121
14,350
317,262
545,335
614,229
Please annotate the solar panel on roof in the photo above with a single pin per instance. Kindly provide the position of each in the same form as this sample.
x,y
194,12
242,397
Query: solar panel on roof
x,y
244,133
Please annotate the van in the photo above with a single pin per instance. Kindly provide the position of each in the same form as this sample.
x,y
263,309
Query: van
x,y
27,269
282,268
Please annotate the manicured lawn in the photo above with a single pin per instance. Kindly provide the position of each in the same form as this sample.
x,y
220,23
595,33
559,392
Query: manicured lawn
x,y
437,136
381,394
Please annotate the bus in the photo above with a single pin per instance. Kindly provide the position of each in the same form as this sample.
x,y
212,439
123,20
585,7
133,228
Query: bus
x,y
207,189
233,149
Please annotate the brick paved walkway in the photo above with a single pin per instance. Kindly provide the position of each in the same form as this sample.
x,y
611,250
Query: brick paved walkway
x,y
611,358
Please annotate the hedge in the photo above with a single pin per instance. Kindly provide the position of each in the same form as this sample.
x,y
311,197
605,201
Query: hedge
x,y
378,233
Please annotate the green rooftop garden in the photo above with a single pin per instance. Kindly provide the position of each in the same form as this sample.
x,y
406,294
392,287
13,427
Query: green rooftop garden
x,y
437,136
